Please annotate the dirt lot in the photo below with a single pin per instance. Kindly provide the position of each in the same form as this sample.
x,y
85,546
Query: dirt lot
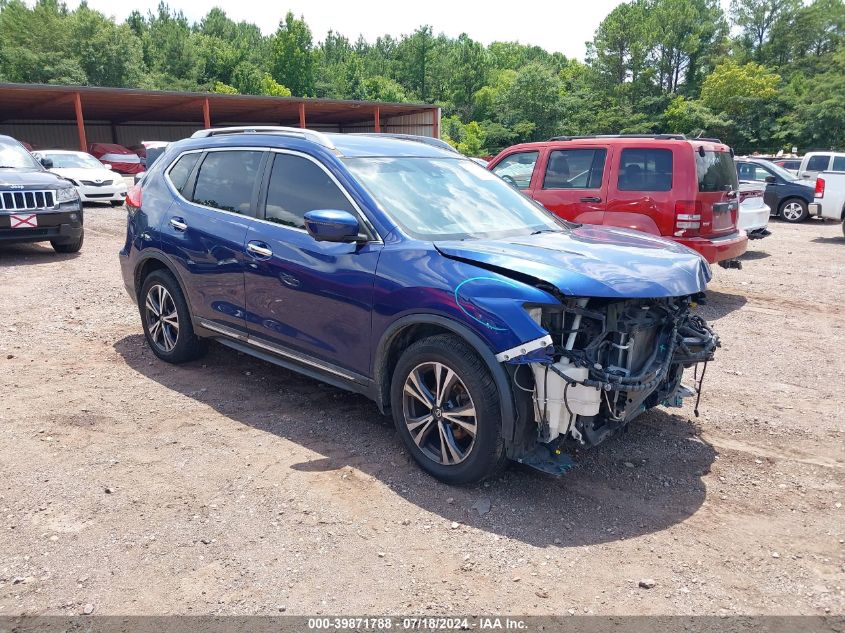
x,y
229,486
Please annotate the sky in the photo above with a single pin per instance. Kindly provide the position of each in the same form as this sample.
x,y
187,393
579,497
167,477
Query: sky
x,y
561,26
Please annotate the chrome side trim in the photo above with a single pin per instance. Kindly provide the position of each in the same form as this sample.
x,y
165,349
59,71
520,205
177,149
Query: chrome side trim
x,y
278,350
524,348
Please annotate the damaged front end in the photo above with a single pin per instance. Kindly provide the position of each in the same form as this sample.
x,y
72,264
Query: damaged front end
x,y
606,361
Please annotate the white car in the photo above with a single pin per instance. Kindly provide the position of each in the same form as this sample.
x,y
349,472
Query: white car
x,y
814,163
829,201
94,181
754,213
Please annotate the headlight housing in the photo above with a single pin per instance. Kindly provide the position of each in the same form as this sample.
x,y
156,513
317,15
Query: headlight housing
x,y
68,194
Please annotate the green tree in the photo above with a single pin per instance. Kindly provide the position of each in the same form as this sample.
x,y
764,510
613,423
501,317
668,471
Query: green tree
x,y
757,18
531,105
293,56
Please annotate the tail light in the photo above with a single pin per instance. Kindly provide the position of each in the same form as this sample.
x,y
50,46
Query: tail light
x,y
745,195
819,187
133,198
687,218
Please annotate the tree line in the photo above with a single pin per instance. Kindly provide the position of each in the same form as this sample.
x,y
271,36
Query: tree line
x,y
766,75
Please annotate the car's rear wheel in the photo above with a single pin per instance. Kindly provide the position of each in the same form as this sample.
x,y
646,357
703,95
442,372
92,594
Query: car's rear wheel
x,y
794,210
446,409
68,247
167,321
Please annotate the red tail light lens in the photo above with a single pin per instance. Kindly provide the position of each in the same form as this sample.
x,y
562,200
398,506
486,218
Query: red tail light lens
x,y
819,187
687,218
133,197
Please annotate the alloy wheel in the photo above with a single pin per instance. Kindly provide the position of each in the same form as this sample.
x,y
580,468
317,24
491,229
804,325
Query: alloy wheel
x,y
439,413
162,318
792,211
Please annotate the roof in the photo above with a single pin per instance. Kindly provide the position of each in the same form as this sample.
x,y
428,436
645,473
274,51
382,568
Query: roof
x,y
359,145
118,105
627,141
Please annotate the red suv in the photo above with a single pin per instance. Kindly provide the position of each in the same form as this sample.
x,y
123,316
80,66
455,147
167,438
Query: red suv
x,y
668,185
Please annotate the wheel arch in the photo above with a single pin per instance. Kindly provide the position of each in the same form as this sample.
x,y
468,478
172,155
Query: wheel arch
x,y
411,328
158,261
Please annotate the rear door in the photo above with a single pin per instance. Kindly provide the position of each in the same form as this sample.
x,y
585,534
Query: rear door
x,y
641,194
717,201
204,231
573,185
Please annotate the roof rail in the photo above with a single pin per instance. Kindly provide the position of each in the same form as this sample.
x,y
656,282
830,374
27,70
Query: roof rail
x,y
661,137
706,139
309,135
428,140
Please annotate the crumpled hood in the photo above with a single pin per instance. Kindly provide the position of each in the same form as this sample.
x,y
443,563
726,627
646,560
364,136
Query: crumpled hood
x,y
592,261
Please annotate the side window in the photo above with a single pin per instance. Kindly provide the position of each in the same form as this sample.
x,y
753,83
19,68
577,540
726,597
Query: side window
x,y
180,171
761,173
818,163
745,171
838,163
645,170
298,186
516,169
575,169
226,180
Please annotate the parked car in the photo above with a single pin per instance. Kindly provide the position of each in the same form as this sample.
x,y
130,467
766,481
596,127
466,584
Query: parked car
x,y
487,327
142,148
814,163
666,185
786,195
792,165
753,211
121,159
94,181
829,199
35,204
152,155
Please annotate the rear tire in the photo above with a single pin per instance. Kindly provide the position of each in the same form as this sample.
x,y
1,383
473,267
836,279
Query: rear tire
x,y
446,409
167,320
68,247
794,210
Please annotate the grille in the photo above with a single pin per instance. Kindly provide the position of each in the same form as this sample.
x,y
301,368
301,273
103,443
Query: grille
x,y
91,183
26,200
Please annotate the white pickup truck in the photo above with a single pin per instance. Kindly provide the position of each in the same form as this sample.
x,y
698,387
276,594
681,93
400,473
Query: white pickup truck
x,y
829,201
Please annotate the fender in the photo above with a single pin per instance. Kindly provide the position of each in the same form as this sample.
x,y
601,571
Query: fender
x,y
636,221
153,253
497,370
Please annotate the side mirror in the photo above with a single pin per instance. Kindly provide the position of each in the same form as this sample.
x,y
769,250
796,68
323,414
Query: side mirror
x,y
771,180
330,225
47,163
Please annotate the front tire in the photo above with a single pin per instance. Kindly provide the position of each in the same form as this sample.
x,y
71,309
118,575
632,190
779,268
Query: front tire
x,y
68,247
167,320
794,210
446,409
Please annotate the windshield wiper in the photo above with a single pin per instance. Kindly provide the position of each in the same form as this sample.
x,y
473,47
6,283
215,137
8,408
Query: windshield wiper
x,y
545,231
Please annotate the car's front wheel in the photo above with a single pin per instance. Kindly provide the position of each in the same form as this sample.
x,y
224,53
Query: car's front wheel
x,y
794,210
446,409
68,247
167,321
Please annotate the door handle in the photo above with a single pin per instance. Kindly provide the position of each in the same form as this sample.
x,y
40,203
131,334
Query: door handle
x,y
179,224
259,250
591,199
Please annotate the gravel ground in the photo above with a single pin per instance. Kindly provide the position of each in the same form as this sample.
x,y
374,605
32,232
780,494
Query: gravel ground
x,y
230,486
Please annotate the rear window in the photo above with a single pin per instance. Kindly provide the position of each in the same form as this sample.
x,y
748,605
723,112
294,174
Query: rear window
x,y
575,169
645,170
226,179
179,173
839,163
818,163
716,172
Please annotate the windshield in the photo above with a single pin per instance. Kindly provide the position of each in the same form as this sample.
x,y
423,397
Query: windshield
x,y
14,156
449,198
84,161
780,171
716,172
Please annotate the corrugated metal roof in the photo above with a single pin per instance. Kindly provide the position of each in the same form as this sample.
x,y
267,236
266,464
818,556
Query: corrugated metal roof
x,y
121,105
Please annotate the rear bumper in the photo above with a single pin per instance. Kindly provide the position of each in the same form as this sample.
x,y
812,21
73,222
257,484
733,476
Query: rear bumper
x,y
753,219
51,226
821,210
717,249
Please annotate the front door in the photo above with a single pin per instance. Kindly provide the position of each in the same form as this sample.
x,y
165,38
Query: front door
x,y
301,294
204,230
573,184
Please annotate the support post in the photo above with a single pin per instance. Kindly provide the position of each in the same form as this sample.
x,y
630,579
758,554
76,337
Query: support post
x,y
301,114
435,122
206,113
80,122
378,119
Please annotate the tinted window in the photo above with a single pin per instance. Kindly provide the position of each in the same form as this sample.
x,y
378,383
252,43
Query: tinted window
x,y
575,169
516,169
182,169
838,163
297,186
818,163
645,170
226,180
716,172
752,171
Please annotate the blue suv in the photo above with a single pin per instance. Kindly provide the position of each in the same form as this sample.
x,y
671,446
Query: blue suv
x,y
394,267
